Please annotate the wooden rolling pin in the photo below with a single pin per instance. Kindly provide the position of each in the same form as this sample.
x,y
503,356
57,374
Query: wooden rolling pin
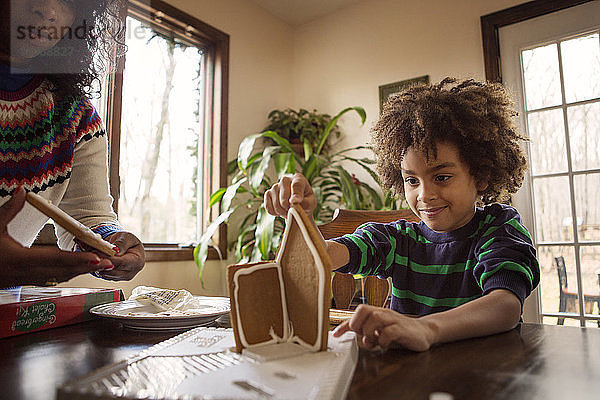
x,y
80,231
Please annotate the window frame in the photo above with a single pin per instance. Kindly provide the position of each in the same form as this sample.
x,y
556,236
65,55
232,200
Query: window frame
x,y
215,44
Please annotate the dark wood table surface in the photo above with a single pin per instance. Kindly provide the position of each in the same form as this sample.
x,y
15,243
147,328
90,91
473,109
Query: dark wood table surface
x,y
529,362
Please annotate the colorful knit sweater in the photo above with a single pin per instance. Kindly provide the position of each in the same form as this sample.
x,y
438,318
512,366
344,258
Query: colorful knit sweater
x,y
57,149
433,272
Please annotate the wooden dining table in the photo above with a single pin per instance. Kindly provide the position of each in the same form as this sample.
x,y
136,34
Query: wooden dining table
x,y
529,362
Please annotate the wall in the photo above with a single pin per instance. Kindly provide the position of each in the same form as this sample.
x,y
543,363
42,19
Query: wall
x,y
170,275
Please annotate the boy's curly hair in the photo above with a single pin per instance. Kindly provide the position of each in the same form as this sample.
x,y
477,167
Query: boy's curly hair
x,y
478,118
85,59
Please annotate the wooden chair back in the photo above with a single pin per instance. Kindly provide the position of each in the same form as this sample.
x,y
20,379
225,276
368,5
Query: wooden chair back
x,y
375,291
346,221
568,298
562,272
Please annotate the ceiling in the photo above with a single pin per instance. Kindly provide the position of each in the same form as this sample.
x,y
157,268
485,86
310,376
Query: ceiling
x,y
297,12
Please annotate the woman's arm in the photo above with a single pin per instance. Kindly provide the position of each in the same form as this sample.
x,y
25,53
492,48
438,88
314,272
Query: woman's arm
x,y
88,200
20,265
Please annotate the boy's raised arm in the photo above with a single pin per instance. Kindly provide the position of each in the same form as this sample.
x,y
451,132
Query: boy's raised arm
x,y
297,190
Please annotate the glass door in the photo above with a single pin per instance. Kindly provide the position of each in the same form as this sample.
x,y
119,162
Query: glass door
x,y
552,64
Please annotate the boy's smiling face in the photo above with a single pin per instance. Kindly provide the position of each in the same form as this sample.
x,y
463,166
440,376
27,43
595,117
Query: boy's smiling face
x,y
441,190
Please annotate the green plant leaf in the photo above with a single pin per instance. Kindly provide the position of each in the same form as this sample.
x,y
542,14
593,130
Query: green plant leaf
x,y
284,143
252,169
240,242
201,250
375,197
245,150
256,255
353,149
232,167
279,227
284,164
245,250
349,189
317,191
258,174
359,110
369,170
260,234
280,161
367,161
390,202
216,197
311,167
247,226
308,150
253,159
359,160
264,233
251,215
230,193
279,140
291,165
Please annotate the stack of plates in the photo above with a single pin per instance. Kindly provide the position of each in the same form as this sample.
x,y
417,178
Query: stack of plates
x,y
137,315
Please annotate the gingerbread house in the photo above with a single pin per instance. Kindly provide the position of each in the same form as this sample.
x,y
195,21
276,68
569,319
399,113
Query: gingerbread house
x,y
286,300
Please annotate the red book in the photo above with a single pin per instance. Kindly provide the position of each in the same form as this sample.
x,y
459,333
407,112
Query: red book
x,y
30,309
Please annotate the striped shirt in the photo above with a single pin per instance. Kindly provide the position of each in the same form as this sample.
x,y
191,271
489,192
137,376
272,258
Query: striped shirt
x,y
433,272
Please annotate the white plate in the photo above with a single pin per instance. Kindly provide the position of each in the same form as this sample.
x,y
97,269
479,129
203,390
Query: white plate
x,y
136,315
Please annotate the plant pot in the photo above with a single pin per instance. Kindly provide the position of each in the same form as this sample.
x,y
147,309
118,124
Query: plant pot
x,y
298,147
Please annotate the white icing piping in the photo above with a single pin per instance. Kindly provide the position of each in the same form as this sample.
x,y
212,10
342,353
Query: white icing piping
x,y
236,286
320,270
287,326
274,336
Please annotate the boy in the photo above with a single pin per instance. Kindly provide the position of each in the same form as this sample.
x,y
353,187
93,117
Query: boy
x,y
463,271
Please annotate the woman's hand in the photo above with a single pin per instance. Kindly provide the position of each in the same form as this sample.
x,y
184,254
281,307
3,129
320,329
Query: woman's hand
x,y
288,191
384,327
40,265
128,261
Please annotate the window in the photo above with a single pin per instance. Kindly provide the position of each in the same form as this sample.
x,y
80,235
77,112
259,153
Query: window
x,y
552,64
165,109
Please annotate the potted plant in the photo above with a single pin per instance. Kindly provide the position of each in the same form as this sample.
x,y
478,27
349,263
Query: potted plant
x,y
301,128
259,233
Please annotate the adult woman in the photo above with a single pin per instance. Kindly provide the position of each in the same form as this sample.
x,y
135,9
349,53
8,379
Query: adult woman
x,y
52,141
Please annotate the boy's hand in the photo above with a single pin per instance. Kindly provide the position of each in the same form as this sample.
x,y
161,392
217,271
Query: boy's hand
x,y
290,190
40,265
297,190
384,327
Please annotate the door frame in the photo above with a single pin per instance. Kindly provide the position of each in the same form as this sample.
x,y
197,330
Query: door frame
x,y
490,24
